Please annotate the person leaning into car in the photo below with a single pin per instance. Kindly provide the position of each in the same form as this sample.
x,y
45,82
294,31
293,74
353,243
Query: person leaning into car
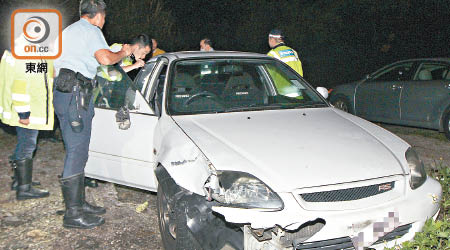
x,y
140,47
83,49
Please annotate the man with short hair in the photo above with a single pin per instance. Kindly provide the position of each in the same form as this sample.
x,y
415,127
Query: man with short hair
x,y
156,51
283,52
83,49
206,45
140,47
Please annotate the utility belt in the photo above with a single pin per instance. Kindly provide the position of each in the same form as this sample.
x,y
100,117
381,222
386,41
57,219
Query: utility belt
x,y
81,88
69,81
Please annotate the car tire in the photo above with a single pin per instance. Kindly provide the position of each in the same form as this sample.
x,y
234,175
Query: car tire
x,y
447,125
342,103
167,227
175,233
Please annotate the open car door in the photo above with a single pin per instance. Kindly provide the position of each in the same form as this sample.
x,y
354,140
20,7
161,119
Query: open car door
x,y
118,155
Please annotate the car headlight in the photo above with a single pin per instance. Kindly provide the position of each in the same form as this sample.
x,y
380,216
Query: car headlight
x,y
239,189
418,174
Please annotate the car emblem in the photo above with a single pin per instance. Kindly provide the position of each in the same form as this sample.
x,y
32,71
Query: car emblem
x,y
385,187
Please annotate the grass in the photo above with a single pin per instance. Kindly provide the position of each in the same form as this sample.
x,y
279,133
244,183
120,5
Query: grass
x,y
435,234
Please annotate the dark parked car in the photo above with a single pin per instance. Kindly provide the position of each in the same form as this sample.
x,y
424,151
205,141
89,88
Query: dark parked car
x,y
411,92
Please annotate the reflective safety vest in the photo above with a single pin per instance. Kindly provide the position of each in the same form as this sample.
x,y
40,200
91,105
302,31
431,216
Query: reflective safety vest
x,y
288,56
126,61
24,87
157,52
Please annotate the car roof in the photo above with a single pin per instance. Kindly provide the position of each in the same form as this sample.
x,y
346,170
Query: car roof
x,y
203,54
440,59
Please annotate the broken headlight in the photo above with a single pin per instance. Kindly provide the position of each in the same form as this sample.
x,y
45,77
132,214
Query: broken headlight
x,y
418,174
239,189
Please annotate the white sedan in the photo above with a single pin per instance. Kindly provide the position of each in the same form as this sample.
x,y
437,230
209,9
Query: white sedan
x,y
244,154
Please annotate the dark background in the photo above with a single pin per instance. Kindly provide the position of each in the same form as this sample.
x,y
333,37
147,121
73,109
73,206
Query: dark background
x,y
338,40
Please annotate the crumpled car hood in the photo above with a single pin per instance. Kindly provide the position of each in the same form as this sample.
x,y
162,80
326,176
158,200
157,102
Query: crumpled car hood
x,y
291,149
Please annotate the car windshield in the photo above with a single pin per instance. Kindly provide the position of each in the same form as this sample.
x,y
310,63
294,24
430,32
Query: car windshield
x,y
233,85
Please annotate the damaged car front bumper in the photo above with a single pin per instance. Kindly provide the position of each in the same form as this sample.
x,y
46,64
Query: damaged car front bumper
x,y
377,225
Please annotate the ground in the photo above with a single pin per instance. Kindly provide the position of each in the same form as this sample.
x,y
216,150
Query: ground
x,y
35,224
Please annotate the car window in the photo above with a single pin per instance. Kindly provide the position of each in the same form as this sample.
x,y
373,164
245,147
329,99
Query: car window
x,y
233,85
156,95
115,88
143,77
398,72
432,71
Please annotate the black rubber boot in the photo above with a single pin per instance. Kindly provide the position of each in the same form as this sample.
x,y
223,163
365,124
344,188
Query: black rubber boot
x,y
73,193
23,171
88,208
89,182
14,183
14,177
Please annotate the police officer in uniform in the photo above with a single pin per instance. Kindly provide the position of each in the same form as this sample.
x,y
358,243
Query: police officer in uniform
x,y
83,49
140,47
283,52
26,103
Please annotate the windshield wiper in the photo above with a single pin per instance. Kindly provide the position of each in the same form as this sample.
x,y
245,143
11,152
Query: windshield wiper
x,y
264,107
312,104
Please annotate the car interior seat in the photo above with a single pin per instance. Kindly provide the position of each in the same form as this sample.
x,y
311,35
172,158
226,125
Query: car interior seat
x,y
425,75
183,87
240,90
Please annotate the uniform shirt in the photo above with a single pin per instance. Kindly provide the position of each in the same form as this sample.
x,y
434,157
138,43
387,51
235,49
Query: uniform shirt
x,y
80,41
288,56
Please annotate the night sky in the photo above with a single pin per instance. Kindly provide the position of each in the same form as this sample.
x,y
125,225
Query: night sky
x,y
338,40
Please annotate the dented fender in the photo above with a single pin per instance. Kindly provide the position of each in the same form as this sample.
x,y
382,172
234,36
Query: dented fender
x,y
179,155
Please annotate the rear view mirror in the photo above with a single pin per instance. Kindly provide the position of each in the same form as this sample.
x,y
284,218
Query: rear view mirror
x,y
323,91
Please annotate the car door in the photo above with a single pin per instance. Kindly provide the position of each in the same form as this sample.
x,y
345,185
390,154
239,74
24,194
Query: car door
x,y
422,98
124,156
378,97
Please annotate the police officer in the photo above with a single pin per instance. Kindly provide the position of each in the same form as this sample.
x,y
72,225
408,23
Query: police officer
x,y
83,49
283,52
25,91
140,47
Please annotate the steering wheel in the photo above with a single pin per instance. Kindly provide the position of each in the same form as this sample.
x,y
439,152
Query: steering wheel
x,y
202,94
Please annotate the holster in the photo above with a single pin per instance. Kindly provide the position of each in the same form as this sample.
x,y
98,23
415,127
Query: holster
x,y
68,80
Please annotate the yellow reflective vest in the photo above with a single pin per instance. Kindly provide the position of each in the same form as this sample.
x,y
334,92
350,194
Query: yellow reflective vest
x,y
25,87
288,56
126,61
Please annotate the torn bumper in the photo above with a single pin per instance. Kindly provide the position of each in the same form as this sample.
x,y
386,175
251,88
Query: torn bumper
x,y
413,208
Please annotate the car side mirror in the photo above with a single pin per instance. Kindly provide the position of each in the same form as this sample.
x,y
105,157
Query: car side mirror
x,y
323,91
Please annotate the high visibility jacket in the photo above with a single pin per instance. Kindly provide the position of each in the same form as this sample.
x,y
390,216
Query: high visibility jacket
x,y
23,91
126,61
288,56
157,52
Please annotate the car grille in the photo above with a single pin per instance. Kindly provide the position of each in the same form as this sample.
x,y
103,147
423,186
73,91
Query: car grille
x,y
396,233
348,194
333,244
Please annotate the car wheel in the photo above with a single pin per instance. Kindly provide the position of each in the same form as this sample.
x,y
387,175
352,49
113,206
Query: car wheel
x,y
447,124
341,103
166,220
175,233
